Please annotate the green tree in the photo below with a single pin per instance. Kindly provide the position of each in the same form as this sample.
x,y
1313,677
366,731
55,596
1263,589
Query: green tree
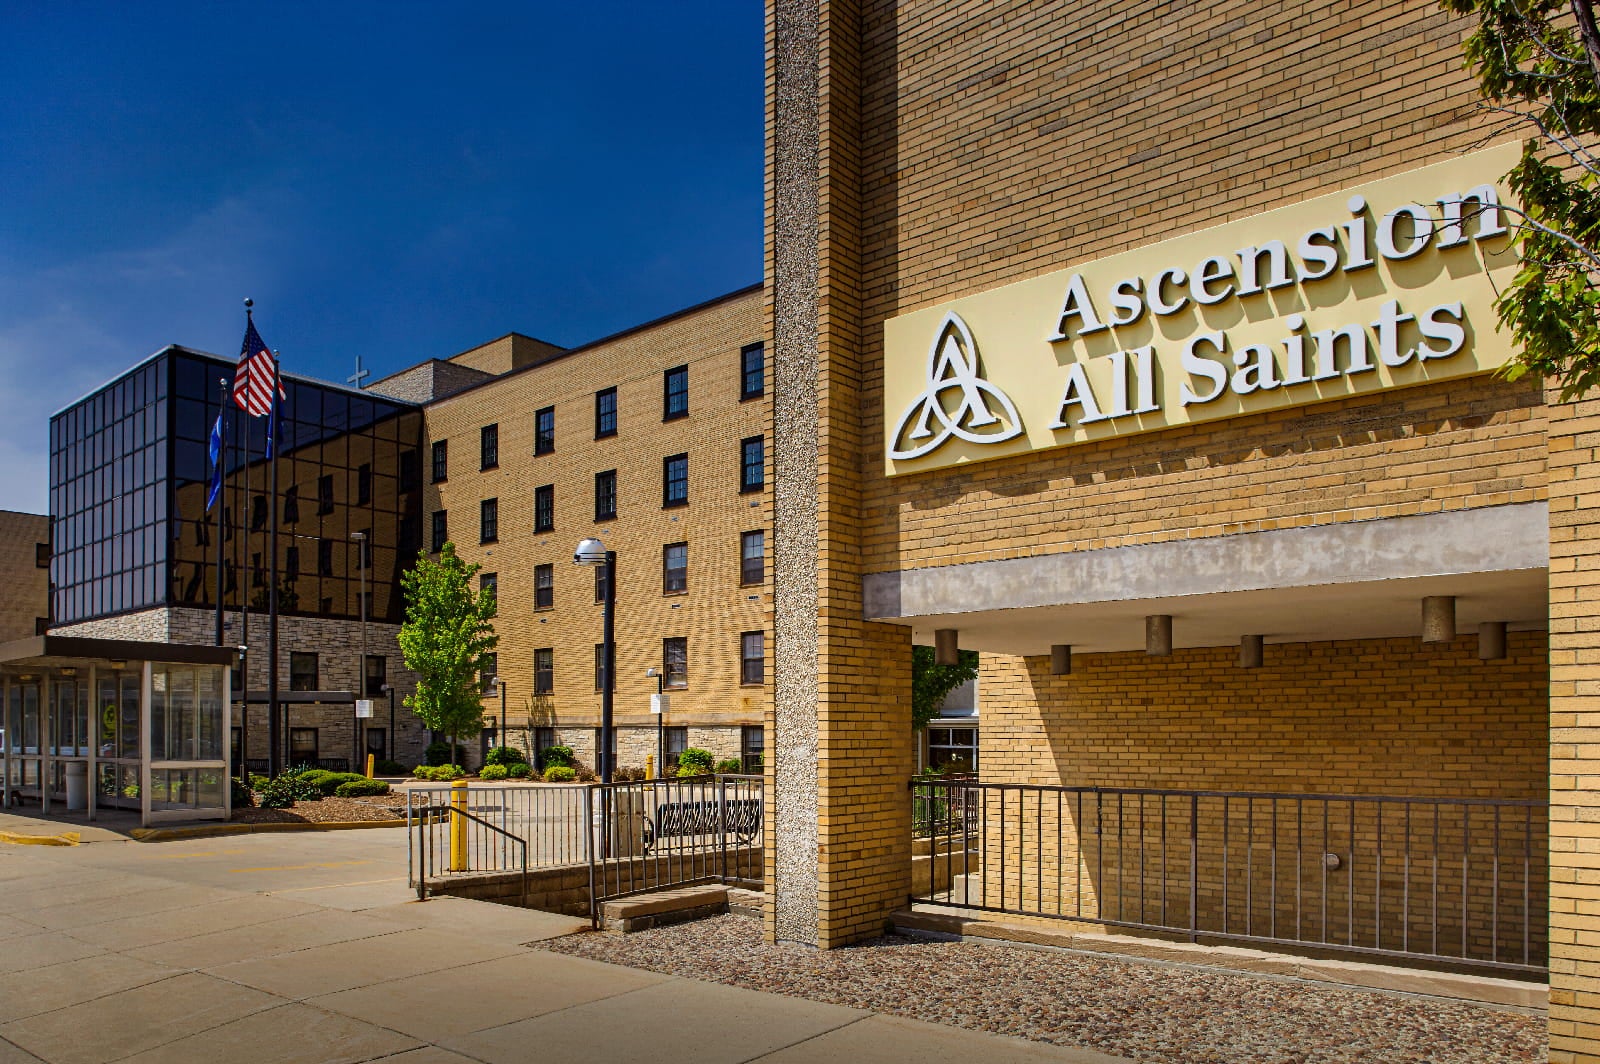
x,y
447,639
1537,63
930,682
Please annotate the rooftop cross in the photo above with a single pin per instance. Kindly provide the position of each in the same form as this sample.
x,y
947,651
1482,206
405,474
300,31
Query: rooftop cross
x,y
356,377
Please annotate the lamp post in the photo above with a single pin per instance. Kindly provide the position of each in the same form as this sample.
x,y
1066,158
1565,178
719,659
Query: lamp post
x,y
658,706
388,689
361,665
593,552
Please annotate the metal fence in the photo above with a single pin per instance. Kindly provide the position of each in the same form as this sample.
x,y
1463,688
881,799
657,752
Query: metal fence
x,y
633,837
1443,879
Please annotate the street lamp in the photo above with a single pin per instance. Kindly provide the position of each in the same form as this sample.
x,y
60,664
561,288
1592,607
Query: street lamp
x,y
361,665
658,706
389,690
593,552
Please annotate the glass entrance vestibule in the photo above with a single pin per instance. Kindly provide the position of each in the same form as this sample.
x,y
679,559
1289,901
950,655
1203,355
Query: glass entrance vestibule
x,y
88,725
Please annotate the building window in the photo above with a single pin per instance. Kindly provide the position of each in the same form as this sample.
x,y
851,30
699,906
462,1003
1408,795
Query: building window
x,y
41,625
377,677
753,748
291,504
364,484
488,671
441,460
291,563
41,555
544,430
599,583
544,508
675,568
752,372
489,447
325,494
955,747
605,495
302,746
600,667
324,557
489,584
752,557
752,460
605,413
544,587
675,393
409,470
488,520
675,480
677,741
441,531
377,744
303,671
543,739
544,671
675,662
752,658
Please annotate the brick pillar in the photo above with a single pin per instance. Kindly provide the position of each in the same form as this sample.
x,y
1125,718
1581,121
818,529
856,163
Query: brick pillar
x,y
1574,478
839,857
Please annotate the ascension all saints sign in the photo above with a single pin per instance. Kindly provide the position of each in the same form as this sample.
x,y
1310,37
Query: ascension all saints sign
x,y
1382,286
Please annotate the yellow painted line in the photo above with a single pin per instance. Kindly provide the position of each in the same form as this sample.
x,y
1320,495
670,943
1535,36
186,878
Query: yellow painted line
x,y
300,867
66,838
188,856
335,886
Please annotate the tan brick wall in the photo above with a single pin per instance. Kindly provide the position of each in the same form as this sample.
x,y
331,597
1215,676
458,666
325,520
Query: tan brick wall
x,y
1364,717
714,611
27,586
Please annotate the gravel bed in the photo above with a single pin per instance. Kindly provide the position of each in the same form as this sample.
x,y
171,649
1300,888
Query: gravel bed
x,y
329,810
1146,1012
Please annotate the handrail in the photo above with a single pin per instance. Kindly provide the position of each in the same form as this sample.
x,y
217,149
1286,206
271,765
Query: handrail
x,y
426,811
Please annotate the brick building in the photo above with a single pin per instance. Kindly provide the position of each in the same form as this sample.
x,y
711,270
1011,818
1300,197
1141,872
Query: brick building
x,y
25,572
1154,362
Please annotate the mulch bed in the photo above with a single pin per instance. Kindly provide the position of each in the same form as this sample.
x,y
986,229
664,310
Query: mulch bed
x,y
1151,1013
327,811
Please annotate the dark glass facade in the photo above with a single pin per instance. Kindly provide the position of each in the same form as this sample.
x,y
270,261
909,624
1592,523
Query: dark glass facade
x,y
129,475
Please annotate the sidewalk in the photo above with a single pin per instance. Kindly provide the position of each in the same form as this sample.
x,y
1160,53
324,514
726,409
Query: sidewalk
x,y
267,949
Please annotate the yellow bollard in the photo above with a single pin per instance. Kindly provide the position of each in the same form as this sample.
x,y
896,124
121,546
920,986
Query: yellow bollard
x,y
649,766
372,764
458,826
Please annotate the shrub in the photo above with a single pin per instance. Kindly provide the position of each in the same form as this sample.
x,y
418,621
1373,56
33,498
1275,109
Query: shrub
x,y
694,762
586,774
627,774
520,771
561,756
361,787
438,753
492,772
440,773
389,768
504,755
299,770
560,774
730,764
283,792
256,780
242,798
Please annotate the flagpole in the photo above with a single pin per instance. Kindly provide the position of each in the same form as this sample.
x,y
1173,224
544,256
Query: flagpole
x,y
245,575
274,445
222,500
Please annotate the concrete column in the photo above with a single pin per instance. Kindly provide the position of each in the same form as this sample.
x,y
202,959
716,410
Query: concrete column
x,y
1438,618
1573,465
1158,635
1061,659
1251,652
1492,640
946,646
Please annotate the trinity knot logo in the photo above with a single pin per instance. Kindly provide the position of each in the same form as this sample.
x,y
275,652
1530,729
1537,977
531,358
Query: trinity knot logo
x,y
956,398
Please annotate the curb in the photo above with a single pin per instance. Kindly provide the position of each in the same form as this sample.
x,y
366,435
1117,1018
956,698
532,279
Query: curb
x,y
207,831
66,838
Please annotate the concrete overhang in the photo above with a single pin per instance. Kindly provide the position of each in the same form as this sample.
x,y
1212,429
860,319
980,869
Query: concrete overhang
x,y
1361,579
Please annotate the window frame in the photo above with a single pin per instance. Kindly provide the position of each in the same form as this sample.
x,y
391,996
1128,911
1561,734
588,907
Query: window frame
x,y
544,508
440,464
544,437
667,569
744,558
489,520
600,415
489,447
600,669
315,746
440,530
675,387
745,391
487,675
298,658
746,661
367,675
667,481
490,582
675,674
746,485
547,590
544,671
607,478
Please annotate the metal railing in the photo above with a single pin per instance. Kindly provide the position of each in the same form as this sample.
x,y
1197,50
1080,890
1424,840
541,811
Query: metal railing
x,y
633,837
1458,880
675,832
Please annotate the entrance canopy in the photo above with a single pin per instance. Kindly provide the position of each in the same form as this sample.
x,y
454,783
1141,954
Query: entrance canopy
x,y
1348,580
93,724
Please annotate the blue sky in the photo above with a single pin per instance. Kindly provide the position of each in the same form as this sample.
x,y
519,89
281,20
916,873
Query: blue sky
x,y
398,181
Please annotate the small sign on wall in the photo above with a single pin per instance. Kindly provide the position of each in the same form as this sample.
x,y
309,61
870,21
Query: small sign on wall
x,y
364,708
660,703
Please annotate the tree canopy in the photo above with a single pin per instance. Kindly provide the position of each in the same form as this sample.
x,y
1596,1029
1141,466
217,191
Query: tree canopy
x,y
930,683
447,639
1537,63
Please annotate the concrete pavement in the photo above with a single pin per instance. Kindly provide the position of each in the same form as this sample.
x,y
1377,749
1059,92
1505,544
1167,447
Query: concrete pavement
x,y
273,949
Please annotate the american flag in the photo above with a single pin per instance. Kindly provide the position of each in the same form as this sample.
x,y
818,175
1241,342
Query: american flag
x,y
252,383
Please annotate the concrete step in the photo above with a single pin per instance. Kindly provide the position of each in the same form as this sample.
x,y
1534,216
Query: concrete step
x,y
663,907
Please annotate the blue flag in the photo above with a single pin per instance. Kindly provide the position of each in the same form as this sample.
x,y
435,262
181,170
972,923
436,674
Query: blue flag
x,y
216,463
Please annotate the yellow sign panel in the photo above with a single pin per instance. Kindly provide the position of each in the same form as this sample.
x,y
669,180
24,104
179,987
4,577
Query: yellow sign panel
x,y
1382,286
